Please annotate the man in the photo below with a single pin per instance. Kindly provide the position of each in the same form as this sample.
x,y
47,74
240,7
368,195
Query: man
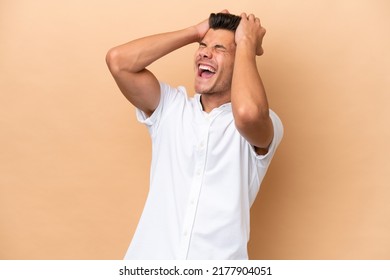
x,y
211,151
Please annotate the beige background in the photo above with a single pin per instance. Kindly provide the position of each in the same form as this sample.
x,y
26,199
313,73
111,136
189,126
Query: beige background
x,y
74,163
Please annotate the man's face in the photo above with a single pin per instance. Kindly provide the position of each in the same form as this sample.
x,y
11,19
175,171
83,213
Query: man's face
x,y
214,61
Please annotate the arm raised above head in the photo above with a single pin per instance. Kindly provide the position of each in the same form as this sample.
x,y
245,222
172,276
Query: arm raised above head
x,y
249,100
128,62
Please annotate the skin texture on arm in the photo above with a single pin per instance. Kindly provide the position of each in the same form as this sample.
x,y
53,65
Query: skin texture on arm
x,y
248,97
128,62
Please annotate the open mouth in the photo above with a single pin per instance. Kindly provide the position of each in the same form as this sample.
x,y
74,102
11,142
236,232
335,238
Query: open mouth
x,y
206,71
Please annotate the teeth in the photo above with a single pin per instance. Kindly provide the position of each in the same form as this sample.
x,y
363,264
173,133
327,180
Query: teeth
x,y
207,68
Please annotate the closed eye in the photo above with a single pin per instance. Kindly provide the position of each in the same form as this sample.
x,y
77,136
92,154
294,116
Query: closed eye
x,y
216,47
220,47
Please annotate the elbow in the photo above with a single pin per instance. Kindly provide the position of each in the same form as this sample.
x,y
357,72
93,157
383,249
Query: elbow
x,y
246,116
112,60
255,125
120,60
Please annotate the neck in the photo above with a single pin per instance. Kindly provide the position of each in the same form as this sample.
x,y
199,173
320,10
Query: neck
x,y
210,102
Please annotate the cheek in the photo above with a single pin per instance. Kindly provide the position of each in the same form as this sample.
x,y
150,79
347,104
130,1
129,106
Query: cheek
x,y
227,71
227,63
196,55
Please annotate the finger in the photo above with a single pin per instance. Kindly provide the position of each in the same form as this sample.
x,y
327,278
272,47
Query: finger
x,y
243,15
225,11
251,17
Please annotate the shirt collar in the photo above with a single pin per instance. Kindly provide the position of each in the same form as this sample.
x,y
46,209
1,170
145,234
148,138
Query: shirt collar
x,y
224,107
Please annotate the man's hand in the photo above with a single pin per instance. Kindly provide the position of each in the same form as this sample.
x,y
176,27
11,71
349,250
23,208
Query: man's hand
x,y
204,26
250,31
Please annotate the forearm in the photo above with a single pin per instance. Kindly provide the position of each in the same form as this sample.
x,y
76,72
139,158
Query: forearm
x,y
248,92
136,55
249,100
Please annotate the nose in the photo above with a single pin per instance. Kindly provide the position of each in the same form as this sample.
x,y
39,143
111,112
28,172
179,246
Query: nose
x,y
205,52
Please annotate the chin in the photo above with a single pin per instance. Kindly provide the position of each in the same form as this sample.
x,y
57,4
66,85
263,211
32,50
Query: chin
x,y
202,88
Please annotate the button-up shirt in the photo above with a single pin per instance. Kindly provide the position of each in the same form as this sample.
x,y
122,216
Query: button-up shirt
x,y
204,178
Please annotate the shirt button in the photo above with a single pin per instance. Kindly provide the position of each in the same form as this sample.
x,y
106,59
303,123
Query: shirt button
x,y
185,233
198,172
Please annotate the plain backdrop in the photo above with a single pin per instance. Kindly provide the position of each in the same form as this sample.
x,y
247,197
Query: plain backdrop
x,y
74,162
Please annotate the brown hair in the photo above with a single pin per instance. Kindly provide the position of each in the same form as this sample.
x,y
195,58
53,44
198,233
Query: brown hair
x,y
224,21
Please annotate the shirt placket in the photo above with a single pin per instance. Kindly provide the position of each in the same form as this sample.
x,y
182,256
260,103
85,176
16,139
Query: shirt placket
x,y
196,186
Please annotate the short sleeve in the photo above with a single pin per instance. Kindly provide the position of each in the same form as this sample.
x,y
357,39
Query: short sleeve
x,y
167,98
264,160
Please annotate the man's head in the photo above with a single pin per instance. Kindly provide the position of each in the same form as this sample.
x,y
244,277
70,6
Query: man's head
x,y
214,60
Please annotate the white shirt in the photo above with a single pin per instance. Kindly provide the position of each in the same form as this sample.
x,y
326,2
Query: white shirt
x,y
204,178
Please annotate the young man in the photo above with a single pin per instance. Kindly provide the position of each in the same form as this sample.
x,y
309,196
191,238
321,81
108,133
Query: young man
x,y
211,151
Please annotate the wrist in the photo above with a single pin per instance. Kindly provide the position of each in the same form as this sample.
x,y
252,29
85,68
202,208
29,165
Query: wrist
x,y
250,47
194,34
